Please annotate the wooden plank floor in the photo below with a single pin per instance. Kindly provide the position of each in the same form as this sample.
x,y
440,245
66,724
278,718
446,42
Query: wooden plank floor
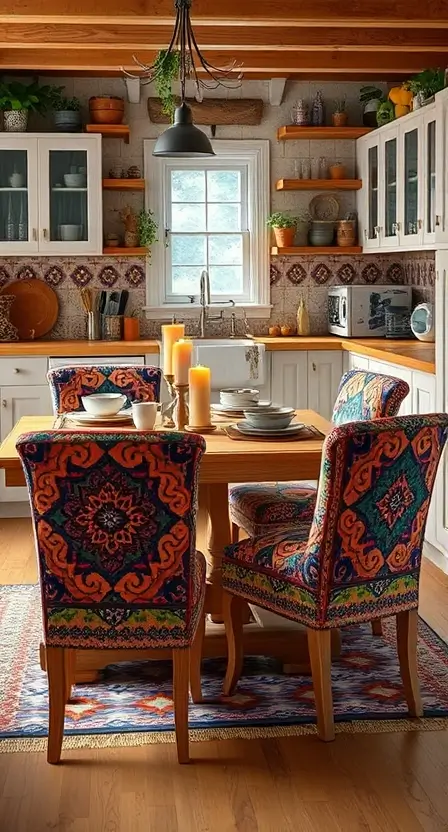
x,y
394,782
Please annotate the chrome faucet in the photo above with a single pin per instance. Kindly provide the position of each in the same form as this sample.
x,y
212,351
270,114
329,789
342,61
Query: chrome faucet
x,y
204,300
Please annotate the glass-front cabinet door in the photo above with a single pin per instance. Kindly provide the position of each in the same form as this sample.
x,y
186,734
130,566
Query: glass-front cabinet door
x,y
372,229
18,196
388,190
411,191
430,177
70,196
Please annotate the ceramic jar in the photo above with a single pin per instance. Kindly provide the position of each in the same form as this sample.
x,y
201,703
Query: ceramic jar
x,y
321,233
15,121
299,113
337,171
346,232
8,332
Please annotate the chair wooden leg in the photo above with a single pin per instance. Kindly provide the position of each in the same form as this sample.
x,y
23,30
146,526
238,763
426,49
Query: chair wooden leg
x,y
407,625
181,685
319,646
57,689
377,627
70,672
233,612
195,660
235,533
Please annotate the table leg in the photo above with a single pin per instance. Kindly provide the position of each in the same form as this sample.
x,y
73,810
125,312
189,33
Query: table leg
x,y
214,515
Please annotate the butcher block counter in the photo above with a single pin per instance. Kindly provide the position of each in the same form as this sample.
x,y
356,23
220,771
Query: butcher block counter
x,y
408,353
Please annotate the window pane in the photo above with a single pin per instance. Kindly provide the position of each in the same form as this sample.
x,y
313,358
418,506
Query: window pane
x,y
223,186
187,250
186,279
225,250
223,216
188,217
188,185
226,280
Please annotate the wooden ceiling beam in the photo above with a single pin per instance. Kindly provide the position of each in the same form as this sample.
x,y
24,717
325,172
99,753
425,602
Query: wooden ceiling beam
x,y
107,36
268,64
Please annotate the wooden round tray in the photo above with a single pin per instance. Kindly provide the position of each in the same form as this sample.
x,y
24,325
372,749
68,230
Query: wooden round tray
x,y
35,309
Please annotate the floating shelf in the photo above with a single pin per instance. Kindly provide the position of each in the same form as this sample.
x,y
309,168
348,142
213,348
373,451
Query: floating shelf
x,y
312,250
291,131
318,184
123,184
118,251
110,131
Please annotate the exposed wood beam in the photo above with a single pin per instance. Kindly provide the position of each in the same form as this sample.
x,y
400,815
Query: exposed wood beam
x,y
107,36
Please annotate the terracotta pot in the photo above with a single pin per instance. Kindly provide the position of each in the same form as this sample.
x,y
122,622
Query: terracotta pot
x,y
337,172
106,110
346,233
131,329
339,119
284,237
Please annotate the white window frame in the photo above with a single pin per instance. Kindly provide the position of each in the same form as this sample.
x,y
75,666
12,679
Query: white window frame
x,y
253,156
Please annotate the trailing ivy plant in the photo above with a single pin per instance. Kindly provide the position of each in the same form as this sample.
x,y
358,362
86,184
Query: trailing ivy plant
x,y
147,229
167,66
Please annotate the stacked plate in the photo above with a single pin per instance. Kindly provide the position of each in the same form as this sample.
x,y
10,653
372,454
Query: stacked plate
x,y
124,417
270,420
233,401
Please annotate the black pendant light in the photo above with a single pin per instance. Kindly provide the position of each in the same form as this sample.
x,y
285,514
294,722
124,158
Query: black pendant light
x,y
183,138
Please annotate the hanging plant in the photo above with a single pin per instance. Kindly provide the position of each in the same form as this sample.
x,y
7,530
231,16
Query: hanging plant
x,y
166,68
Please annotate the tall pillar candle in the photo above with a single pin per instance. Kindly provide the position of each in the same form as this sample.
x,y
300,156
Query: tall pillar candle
x,y
182,352
200,385
170,334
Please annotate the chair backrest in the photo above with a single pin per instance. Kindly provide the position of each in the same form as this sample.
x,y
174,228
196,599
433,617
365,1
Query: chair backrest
x,y
366,395
365,542
68,384
114,518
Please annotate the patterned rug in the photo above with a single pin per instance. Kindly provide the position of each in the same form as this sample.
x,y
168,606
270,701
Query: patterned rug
x,y
132,704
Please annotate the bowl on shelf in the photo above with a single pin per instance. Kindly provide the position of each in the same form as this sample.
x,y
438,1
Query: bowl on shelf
x,y
239,398
321,233
106,109
269,418
75,180
103,404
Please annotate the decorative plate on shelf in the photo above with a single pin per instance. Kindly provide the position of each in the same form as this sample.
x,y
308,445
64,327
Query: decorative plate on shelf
x,y
324,207
35,309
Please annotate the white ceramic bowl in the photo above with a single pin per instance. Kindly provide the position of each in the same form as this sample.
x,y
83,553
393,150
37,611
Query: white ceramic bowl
x,y
70,233
269,420
75,180
103,404
234,397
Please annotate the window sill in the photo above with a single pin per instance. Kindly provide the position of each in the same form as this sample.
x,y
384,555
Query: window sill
x,y
191,311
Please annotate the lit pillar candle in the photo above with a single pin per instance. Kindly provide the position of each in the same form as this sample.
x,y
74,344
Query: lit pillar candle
x,y
199,401
170,334
182,352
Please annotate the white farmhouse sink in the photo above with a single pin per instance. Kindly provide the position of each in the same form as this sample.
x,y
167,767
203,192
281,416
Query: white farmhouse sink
x,y
232,361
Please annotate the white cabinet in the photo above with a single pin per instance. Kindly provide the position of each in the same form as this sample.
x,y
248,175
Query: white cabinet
x,y
31,400
289,379
357,362
368,198
424,401
324,376
398,372
41,210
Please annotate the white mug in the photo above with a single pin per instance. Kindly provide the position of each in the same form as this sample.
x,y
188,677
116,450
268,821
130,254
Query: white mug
x,y
144,415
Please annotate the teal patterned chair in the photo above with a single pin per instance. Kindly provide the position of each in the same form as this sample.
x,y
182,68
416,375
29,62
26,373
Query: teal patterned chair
x,y
361,559
260,509
114,517
68,384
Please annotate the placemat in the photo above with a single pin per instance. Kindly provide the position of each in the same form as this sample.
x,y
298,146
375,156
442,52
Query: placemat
x,y
307,432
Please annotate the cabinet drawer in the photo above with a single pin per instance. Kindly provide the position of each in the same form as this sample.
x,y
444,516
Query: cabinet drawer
x,y
18,371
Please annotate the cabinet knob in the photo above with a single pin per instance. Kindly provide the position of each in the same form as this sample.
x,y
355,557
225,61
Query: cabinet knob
x,y
45,233
438,219
16,370
314,367
35,235
420,224
4,403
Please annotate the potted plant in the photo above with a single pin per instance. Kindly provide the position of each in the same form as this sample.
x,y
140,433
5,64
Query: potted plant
x,y
16,101
385,113
425,84
339,116
166,66
67,116
284,228
370,97
147,229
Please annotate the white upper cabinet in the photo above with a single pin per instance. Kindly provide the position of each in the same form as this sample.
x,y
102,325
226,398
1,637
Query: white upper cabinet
x,y
50,194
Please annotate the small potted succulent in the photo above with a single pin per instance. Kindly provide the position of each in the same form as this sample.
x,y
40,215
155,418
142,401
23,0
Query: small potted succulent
x,y
66,112
16,101
284,228
339,116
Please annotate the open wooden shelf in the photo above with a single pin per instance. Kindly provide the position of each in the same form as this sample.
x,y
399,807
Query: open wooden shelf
x,y
118,251
110,131
318,184
312,250
291,131
123,184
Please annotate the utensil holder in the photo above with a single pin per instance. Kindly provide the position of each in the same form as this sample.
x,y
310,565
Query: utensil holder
x,y
112,327
93,326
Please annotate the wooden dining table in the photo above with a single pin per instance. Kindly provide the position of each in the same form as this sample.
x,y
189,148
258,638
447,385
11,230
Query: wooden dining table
x,y
225,461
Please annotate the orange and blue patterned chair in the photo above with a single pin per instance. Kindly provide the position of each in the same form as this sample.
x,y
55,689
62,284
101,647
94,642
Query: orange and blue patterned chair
x,y
361,560
260,509
68,384
115,529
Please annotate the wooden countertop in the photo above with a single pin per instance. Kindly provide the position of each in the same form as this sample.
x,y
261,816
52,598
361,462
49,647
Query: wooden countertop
x,y
416,355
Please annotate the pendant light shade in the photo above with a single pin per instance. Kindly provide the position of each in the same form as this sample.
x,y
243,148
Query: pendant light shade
x,y
183,138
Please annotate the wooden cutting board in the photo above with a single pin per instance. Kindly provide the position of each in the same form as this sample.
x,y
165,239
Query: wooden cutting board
x,y
35,309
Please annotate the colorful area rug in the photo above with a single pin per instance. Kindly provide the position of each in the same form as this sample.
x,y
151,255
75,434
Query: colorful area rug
x,y
133,705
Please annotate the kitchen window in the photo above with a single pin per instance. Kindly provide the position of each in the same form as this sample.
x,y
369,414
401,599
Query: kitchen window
x,y
211,215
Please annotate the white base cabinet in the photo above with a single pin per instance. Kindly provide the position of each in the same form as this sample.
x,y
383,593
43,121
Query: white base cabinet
x,y
306,380
32,400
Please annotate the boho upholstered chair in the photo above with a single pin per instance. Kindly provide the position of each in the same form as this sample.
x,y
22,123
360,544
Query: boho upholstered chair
x,y
68,384
115,529
260,509
362,557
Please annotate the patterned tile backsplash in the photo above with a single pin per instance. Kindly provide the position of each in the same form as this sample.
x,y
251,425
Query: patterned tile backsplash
x,y
291,278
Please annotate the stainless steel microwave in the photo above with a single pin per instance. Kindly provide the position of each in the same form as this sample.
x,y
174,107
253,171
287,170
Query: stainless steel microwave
x,y
360,311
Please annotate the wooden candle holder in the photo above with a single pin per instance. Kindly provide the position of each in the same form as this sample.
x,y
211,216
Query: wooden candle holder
x,y
180,406
168,408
